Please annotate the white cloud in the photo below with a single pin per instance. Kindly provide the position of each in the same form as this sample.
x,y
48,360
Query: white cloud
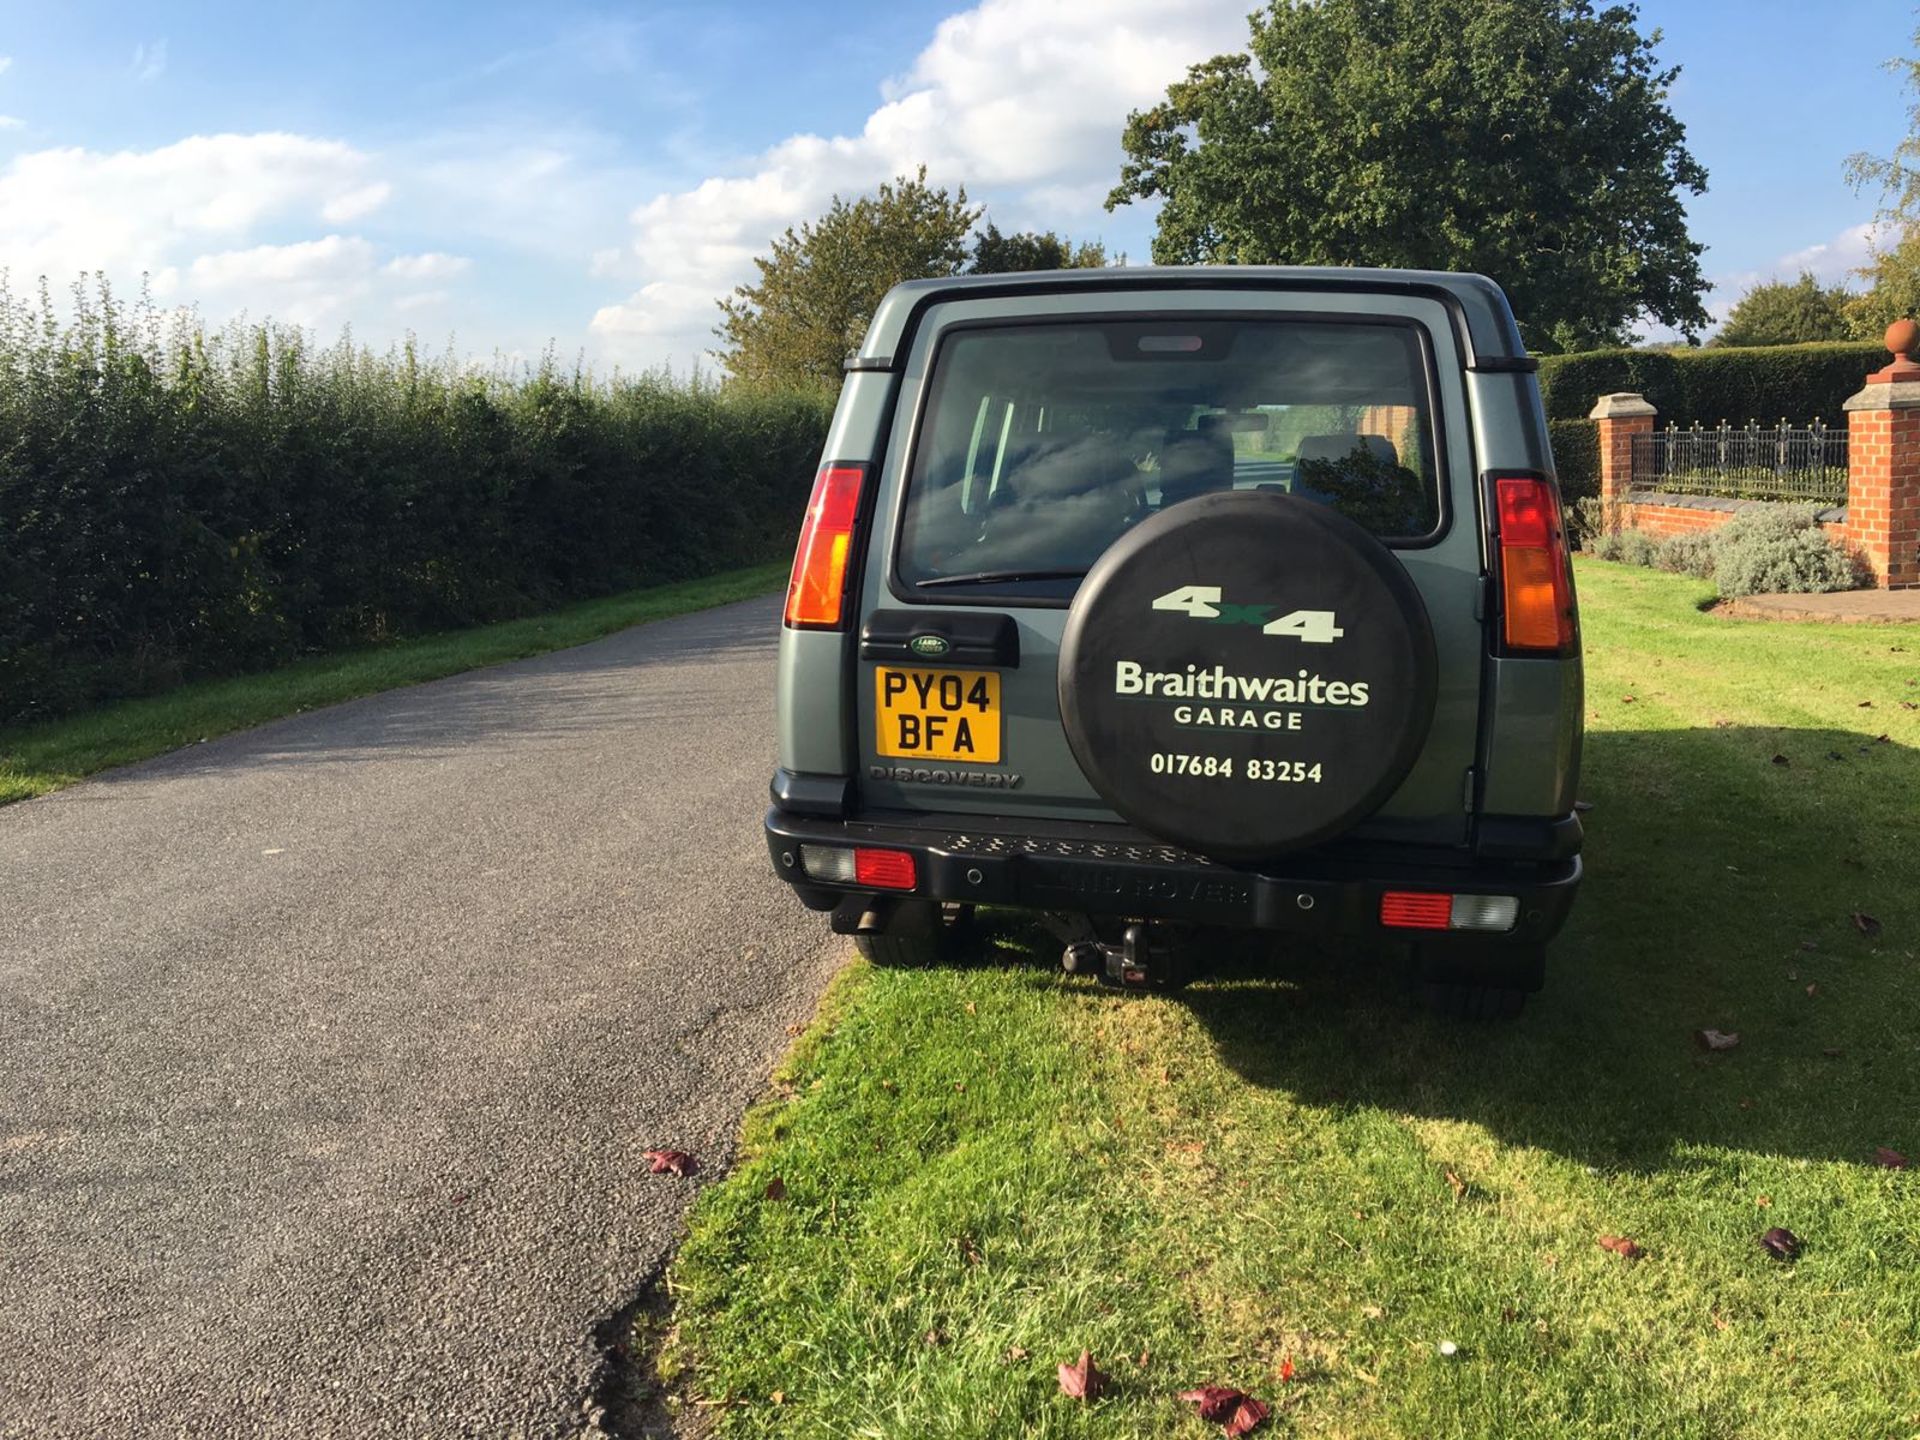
x,y
1020,100
311,282
1831,262
344,209
208,220
150,61
11,122
431,265
68,211
6,63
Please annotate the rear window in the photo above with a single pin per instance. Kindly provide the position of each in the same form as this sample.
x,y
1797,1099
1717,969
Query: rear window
x,y
1042,444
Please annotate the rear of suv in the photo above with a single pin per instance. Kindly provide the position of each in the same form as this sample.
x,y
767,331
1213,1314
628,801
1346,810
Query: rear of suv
x,y
1166,602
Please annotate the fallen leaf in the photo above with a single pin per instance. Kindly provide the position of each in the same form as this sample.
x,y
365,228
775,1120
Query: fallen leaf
x,y
1865,924
1143,1357
1716,1039
778,1397
1888,1159
1621,1246
1082,1380
1718,1323
935,1336
1910,704
1864,705
1813,989
1238,1411
1765,1202
671,1162
1286,1369
1883,739
1459,1185
1626,699
1016,1352
1780,1243
969,1250
970,1009
1246,1418
795,1029
1781,760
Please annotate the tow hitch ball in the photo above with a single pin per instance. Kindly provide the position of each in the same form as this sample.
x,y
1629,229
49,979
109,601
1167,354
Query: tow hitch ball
x,y
1126,966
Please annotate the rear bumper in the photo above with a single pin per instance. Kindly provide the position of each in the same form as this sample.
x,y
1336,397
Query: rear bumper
x,y
1102,870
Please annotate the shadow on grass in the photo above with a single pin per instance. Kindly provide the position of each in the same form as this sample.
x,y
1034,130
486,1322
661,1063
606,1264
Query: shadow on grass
x,y
1719,893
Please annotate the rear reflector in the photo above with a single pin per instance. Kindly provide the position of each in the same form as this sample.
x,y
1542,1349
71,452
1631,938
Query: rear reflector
x,y
1536,591
1423,910
816,591
1410,910
884,869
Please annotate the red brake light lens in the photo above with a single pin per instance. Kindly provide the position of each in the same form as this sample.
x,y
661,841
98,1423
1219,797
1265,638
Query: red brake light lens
x,y
1415,910
885,869
816,591
1536,592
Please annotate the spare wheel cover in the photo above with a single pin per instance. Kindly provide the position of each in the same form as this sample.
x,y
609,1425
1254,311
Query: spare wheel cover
x,y
1264,637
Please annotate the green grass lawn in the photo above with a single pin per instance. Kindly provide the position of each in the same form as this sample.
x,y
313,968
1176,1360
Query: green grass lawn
x,y
989,1167
39,758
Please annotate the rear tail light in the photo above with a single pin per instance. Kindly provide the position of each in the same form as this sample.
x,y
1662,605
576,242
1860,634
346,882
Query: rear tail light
x,y
872,869
1427,910
816,592
1536,591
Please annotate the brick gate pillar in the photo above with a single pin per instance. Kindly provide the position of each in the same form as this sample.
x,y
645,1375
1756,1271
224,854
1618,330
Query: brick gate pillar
x,y
1619,418
1883,465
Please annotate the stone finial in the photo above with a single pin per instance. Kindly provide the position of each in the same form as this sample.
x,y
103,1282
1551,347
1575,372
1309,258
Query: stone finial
x,y
1620,406
1901,339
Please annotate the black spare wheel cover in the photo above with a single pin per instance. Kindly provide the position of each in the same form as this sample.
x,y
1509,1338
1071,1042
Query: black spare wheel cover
x,y
1247,673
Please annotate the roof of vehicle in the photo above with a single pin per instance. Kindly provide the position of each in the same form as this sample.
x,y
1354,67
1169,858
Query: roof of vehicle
x,y
1482,318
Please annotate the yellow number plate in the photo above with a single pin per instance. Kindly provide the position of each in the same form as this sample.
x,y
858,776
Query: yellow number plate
x,y
937,714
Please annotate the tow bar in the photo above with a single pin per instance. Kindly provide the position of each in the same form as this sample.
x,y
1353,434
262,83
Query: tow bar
x,y
1130,965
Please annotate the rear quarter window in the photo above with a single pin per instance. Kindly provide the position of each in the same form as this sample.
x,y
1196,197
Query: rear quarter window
x,y
1041,444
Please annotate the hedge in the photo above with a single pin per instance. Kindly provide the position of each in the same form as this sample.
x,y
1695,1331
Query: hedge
x,y
1735,383
175,503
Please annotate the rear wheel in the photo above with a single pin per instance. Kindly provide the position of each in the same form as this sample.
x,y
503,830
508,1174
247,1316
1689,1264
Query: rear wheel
x,y
919,936
1480,983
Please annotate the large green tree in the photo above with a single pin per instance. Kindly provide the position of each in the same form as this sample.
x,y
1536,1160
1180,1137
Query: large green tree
x,y
1782,312
822,282
1893,274
1530,140
998,254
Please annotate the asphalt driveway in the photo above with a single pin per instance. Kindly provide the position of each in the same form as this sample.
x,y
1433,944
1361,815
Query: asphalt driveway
x,y
328,1051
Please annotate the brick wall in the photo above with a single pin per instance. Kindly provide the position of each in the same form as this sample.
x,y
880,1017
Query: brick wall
x,y
1663,516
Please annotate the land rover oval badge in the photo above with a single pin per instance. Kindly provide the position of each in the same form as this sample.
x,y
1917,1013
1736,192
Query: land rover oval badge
x,y
929,646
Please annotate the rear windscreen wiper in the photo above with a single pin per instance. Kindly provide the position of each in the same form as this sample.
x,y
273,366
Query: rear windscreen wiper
x,y
994,577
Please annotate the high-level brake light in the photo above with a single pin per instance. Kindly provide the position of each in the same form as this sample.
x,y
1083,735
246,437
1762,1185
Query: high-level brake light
x,y
1536,590
816,591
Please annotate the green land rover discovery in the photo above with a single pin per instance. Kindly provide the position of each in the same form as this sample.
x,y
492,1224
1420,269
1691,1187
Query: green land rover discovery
x,y
1166,602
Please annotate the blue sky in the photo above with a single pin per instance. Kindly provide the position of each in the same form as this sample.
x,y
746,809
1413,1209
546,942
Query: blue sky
x,y
594,175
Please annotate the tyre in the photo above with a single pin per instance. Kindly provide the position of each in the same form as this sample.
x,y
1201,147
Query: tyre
x,y
919,937
1473,1002
1480,983
1247,674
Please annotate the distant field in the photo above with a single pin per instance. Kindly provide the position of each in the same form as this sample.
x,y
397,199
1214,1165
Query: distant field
x,y
1291,1171
36,759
